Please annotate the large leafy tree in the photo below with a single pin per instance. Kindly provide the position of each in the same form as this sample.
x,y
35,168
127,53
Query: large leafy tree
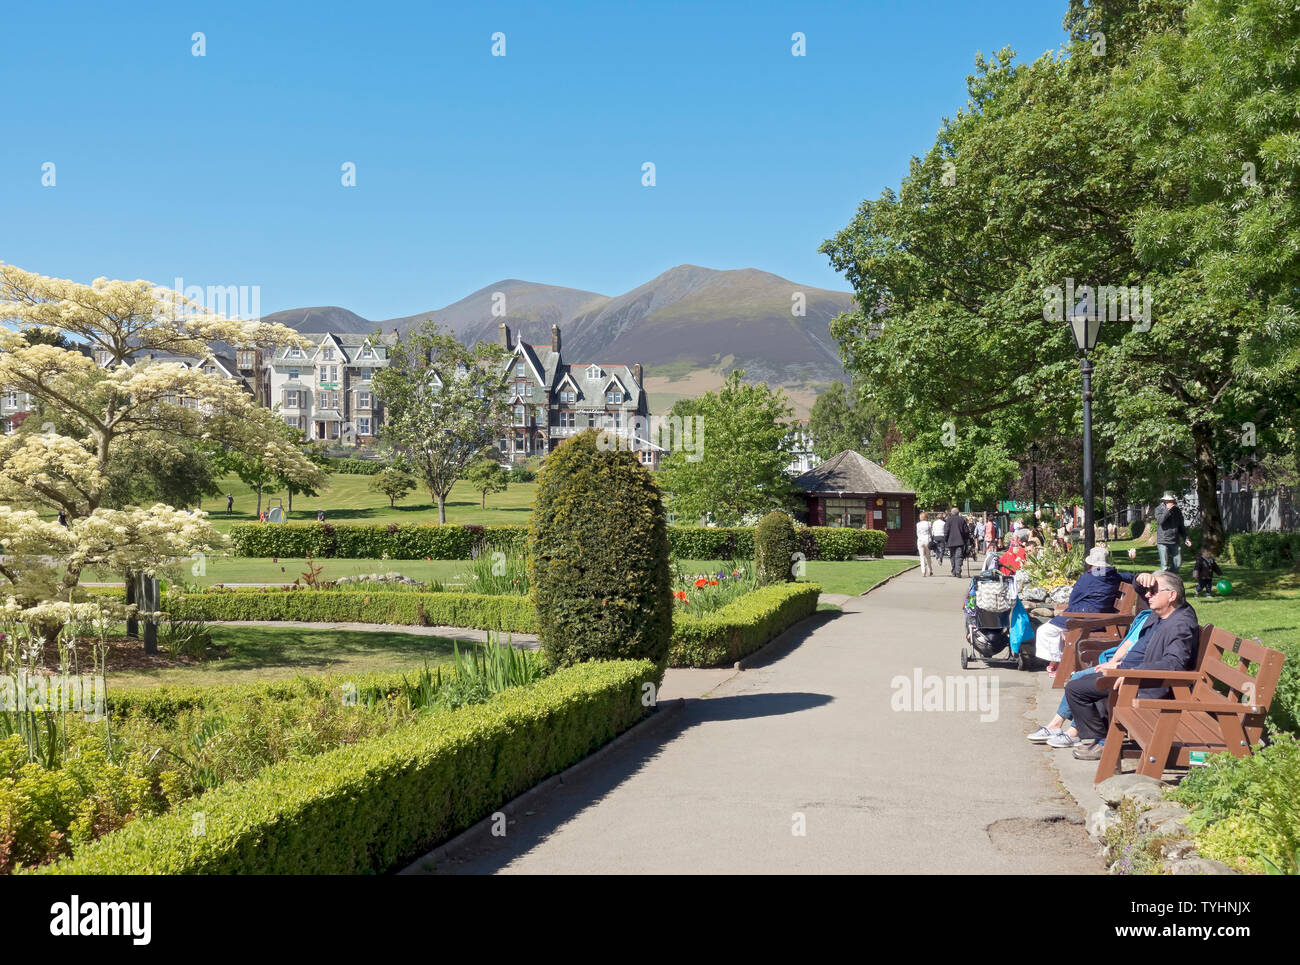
x,y
95,416
444,405
738,467
840,421
1119,168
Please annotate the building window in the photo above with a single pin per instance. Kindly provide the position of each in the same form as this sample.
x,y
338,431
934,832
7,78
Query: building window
x,y
530,390
363,400
614,397
294,373
846,512
591,420
291,399
593,371
519,370
893,514
363,425
502,444
328,355
519,415
567,420
244,359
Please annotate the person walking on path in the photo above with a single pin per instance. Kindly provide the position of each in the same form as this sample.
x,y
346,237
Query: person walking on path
x,y
230,503
320,515
937,531
1171,533
956,536
923,544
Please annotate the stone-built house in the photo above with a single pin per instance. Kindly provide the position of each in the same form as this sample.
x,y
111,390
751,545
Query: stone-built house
x,y
326,391
551,400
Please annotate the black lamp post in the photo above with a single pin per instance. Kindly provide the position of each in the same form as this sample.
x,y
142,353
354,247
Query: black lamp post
x,y
1085,326
1033,463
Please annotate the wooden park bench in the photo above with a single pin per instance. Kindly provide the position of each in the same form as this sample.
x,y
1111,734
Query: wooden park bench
x,y
1087,635
1216,707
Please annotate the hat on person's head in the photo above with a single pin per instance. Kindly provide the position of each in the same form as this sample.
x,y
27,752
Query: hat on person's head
x,y
1099,556
1169,497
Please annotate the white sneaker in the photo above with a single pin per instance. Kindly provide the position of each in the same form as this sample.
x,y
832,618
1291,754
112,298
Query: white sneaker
x,y
1043,735
1063,740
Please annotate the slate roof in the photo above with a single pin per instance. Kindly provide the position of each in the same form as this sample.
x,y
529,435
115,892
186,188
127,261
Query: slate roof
x,y
851,472
590,391
349,347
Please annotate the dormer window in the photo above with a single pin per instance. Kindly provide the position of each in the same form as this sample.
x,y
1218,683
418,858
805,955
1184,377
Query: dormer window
x,y
519,369
593,371
614,397
328,354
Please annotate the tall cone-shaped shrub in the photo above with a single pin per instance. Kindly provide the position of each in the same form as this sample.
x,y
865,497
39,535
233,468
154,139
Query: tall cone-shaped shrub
x,y
598,548
775,545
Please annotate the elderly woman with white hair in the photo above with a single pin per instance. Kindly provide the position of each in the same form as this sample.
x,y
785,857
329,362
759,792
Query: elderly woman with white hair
x,y
1095,592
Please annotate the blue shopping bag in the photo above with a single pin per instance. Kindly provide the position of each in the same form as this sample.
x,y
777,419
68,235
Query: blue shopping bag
x,y
1022,629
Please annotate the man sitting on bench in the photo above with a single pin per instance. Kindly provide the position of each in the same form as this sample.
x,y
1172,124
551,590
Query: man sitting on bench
x,y
1171,646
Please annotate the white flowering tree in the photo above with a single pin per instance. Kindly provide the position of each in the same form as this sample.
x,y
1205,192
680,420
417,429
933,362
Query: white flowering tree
x,y
89,409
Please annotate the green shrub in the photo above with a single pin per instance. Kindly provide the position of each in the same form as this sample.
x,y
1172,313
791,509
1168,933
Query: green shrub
x,y
841,543
1136,529
480,611
711,542
356,467
741,627
1284,710
598,551
1264,551
372,806
775,546
370,541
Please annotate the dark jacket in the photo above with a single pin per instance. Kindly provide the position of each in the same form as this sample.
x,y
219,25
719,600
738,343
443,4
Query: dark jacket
x,y
1096,592
957,533
1170,528
1204,568
1171,646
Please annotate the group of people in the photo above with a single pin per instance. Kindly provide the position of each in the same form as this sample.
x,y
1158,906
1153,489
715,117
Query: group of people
x,y
957,538
1163,636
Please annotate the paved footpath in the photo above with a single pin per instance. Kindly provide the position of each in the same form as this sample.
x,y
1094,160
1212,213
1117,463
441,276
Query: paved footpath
x,y
807,736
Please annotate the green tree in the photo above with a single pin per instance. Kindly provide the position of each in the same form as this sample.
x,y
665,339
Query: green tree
x,y
837,422
444,405
1087,168
393,483
740,467
486,475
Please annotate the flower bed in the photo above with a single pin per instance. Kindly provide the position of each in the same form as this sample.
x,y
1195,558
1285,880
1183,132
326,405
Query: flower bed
x,y
741,627
369,807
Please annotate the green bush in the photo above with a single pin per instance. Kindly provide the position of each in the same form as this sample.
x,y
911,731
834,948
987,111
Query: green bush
x,y
711,542
1264,551
741,627
370,541
1284,710
370,807
477,610
841,543
1136,529
775,546
598,548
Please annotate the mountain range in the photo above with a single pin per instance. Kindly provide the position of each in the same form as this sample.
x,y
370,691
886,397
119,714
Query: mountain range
x,y
689,327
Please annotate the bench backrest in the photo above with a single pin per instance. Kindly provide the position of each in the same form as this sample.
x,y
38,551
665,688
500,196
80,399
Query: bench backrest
x,y
1127,601
1236,682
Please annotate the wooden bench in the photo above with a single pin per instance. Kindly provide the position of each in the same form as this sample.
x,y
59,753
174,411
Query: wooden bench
x,y
1088,634
1215,707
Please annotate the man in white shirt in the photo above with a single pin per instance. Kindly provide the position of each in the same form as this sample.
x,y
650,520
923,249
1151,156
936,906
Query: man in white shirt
x,y
937,530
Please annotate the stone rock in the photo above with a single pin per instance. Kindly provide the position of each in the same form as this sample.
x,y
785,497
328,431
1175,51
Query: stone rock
x,y
1145,795
1100,821
1042,612
1061,594
1112,789
1178,849
1165,819
1033,594
1199,866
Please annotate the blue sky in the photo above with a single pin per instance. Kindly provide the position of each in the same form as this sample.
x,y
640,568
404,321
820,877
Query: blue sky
x,y
225,169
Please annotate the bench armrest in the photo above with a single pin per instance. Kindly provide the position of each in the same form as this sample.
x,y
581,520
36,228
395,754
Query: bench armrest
x,y
1174,675
1095,621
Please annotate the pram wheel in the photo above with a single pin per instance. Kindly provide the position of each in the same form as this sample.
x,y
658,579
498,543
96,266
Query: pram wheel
x,y
964,658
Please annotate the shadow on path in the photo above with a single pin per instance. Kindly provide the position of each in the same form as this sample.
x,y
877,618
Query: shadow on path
x,y
477,851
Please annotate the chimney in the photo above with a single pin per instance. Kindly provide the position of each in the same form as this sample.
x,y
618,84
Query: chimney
x,y
555,339
636,373
503,335
395,335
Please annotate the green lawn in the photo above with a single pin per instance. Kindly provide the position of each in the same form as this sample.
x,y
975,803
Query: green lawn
x,y
277,653
1263,603
348,499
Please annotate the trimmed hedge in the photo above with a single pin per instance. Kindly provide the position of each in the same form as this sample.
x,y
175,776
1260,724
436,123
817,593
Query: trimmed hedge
x,y
357,467
420,540
742,626
1264,551
775,548
371,542
477,610
370,807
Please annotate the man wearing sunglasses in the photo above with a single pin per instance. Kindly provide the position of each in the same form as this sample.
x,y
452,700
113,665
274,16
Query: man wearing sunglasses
x,y
1171,646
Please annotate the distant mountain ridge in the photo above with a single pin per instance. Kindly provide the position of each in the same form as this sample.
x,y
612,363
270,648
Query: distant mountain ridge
x,y
686,322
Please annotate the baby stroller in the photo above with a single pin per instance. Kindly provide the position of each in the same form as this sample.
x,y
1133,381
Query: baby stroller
x,y
988,621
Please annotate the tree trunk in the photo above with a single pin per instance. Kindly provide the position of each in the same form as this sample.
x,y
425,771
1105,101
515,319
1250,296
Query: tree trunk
x,y
290,512
259,502
483,502
442,508
1207,484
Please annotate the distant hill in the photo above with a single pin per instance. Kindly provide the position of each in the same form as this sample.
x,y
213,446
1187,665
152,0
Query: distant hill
x,y
689,327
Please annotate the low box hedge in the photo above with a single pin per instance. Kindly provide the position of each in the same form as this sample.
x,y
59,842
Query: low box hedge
x,y
1264,551
370,807
742,626
418,541
477,610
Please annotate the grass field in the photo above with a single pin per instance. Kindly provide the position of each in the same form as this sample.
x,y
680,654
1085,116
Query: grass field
x,y
1263,603
278,653
349,499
